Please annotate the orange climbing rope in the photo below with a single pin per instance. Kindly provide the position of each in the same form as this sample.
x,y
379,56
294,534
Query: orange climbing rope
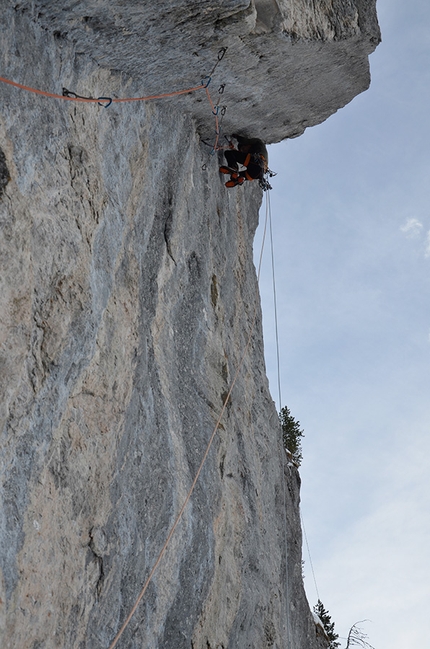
x,y
97,100
107,101
72,96
44,93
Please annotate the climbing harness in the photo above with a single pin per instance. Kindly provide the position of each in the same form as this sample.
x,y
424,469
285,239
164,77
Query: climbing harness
x,y
236,179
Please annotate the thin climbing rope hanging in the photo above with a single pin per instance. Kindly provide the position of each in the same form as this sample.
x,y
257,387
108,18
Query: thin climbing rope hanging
x,y
268,208
309,555
275,303
278,363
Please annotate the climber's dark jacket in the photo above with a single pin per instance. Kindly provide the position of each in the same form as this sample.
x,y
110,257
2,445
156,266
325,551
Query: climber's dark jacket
x,y
251,153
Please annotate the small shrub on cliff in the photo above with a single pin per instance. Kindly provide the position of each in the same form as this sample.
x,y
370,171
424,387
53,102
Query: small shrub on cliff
x,y
291,435
328,625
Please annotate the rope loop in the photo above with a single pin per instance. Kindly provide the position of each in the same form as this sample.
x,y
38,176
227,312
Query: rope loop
x,y
206,83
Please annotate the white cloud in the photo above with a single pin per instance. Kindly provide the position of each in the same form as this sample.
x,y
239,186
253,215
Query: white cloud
x,y
427,249
412,228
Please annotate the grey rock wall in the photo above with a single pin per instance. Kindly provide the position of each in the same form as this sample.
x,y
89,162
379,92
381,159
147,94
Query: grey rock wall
x,y
127,298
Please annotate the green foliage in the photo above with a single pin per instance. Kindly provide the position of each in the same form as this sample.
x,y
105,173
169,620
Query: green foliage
x,y
291,435
327,624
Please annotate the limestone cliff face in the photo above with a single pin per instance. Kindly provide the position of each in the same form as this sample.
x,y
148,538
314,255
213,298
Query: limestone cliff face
x,y
128,294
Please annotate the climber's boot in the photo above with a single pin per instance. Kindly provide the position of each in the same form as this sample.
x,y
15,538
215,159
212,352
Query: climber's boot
x,y
239,180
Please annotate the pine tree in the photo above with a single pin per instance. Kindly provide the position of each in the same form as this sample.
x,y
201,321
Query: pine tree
x,y
328,625
291,435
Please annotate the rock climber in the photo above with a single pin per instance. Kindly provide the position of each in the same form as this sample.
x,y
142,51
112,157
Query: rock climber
x,y
251,153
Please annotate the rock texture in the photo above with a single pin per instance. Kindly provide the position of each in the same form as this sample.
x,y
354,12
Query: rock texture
x,y
127,298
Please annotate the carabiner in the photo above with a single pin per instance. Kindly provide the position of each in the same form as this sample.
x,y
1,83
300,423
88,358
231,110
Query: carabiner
x,y
101,99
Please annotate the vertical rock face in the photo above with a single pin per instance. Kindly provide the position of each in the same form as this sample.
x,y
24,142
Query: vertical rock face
x,y
129,303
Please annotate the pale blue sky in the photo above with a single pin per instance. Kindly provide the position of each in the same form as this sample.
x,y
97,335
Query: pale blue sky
x,y
351,220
